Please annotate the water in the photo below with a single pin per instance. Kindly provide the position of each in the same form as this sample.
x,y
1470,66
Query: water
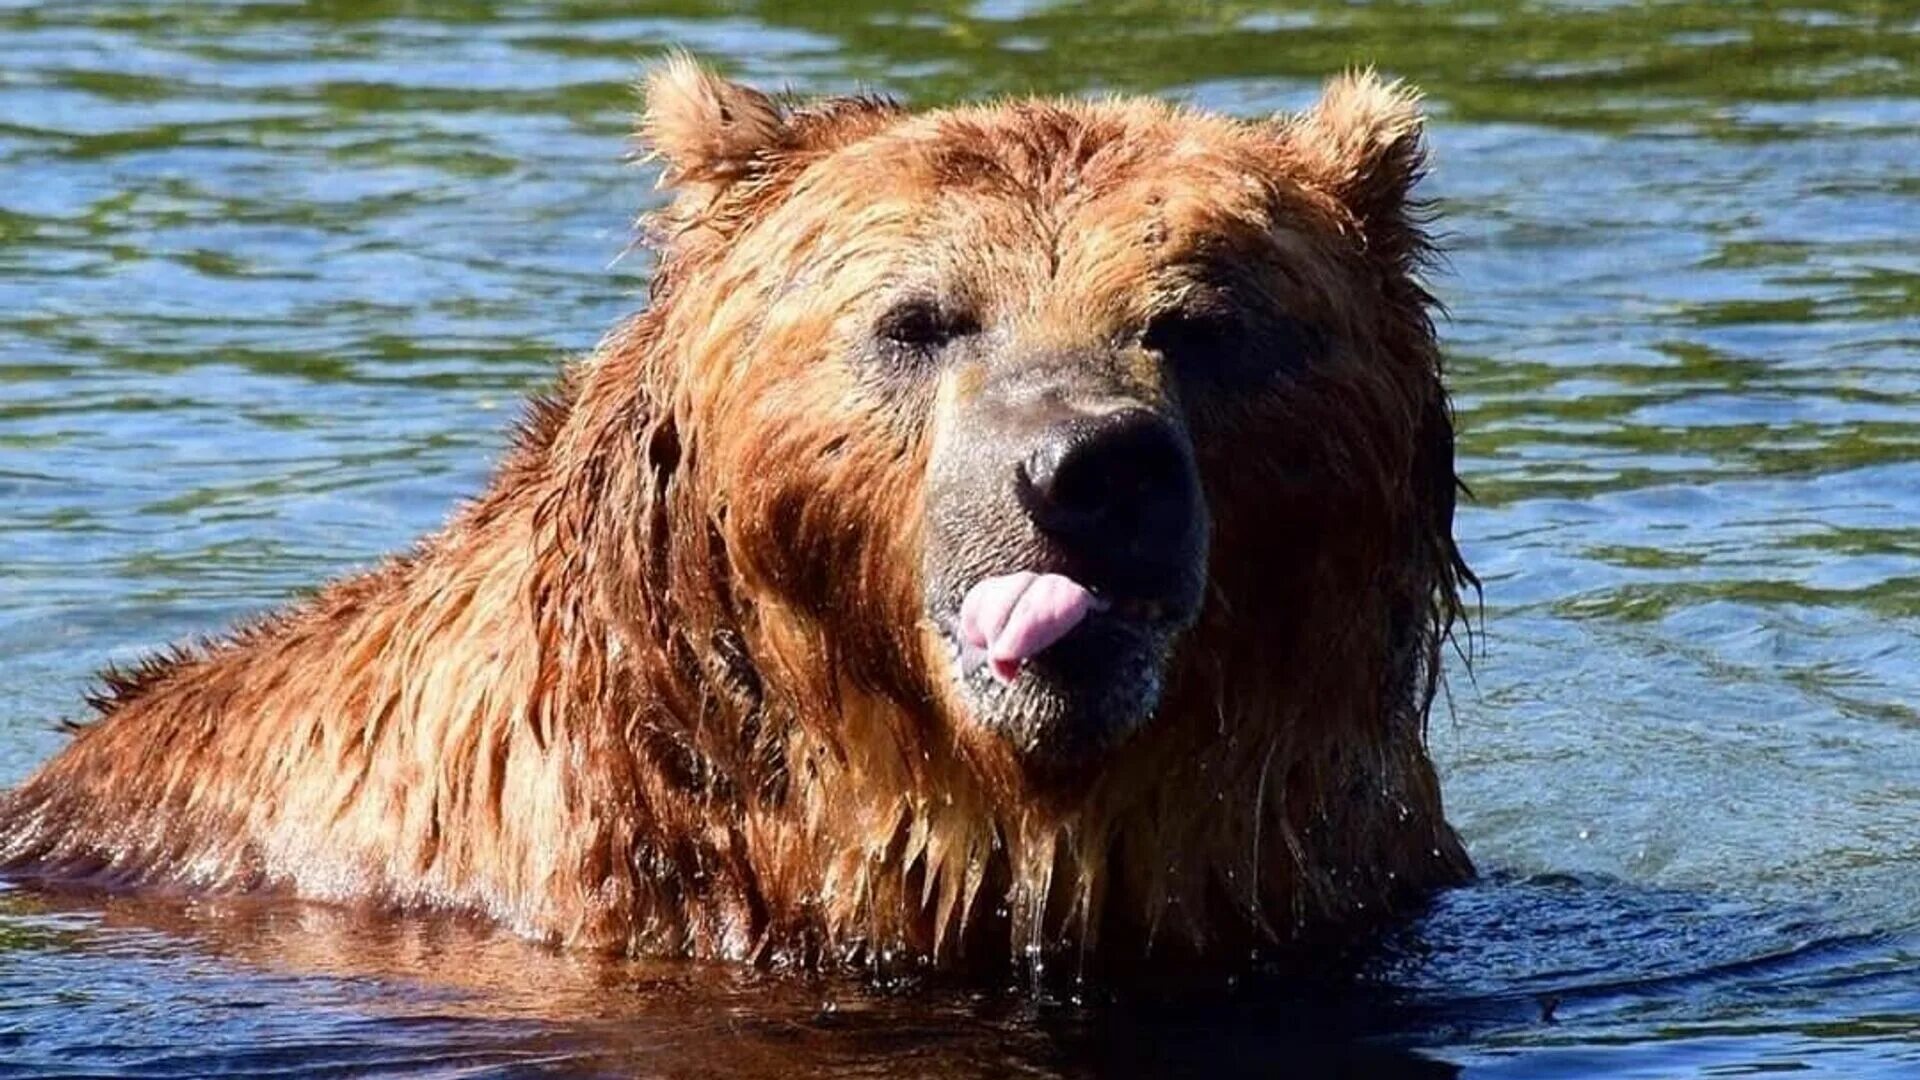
x,y
272,279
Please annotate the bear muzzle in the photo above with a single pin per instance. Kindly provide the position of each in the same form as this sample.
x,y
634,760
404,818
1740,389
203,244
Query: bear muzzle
x,y
1067,554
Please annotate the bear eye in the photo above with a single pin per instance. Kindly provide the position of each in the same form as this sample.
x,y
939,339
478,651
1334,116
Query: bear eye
x,y
1227,349
1191,339
922,326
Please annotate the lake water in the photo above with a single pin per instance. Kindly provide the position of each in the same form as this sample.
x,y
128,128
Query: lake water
x,y
273,277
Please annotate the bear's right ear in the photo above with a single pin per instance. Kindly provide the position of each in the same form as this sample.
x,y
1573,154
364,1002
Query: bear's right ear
x,y
709,131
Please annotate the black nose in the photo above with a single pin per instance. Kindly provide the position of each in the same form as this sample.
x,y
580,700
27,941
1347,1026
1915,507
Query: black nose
x,y
1122,484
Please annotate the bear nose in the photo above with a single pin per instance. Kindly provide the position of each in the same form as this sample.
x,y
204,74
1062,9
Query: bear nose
x,y
1121,483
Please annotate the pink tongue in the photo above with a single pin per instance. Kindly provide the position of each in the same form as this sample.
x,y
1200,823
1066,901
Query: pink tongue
x,y
1014,616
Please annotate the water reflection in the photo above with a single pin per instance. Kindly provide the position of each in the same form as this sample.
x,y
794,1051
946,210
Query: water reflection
x,y
1552,966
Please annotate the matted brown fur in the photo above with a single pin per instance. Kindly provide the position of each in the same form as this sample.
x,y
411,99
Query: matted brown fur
x,y
667,686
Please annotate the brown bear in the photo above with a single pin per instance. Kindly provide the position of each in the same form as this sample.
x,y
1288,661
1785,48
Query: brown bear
x,y
1009,529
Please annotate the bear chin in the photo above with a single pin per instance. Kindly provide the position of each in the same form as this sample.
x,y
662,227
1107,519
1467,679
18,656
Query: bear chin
x,y
1072,705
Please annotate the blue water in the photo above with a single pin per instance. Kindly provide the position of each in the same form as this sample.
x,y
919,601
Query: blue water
x,y
273,278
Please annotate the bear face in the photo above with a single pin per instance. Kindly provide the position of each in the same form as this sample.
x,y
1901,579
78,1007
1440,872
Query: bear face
x,y
1120,392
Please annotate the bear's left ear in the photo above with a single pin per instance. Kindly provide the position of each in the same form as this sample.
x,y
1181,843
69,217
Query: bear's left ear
x,y
709,131
1362,144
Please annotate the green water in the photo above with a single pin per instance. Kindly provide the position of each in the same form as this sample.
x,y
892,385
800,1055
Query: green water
x,y
273,277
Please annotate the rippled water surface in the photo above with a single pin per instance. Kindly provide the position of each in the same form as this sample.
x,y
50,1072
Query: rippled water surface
x,y
272,277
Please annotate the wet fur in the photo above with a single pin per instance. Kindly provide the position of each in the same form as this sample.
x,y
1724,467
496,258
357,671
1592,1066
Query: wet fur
x,y
665,686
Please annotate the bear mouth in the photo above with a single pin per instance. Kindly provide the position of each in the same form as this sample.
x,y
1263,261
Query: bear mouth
x,y
1063,673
